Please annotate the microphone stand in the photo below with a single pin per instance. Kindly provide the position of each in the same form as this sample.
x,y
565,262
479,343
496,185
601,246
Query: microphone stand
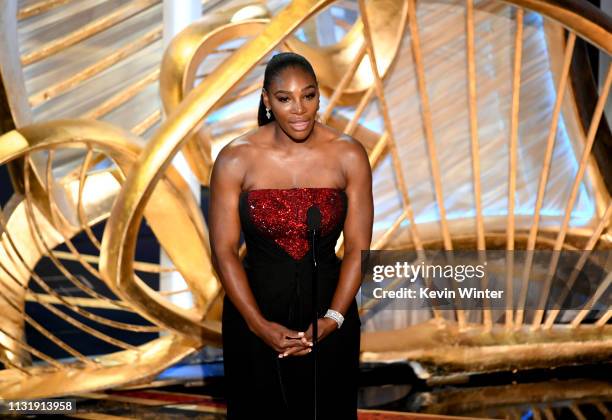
x,y
314,222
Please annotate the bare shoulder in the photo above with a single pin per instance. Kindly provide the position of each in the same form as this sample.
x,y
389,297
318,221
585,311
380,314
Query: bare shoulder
x,y
233,153
351,151
233,159
343,144
354,161
241,149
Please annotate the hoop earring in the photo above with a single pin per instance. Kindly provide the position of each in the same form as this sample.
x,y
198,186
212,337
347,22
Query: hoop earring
x,y
268,113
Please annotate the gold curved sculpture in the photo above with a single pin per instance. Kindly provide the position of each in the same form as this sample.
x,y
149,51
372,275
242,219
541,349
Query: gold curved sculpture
x,y
583,19
351,73
39,219
181,60
334,62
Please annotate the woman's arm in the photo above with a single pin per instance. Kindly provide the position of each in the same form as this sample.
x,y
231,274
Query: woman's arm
x,y
224,230
357,226
357,232
224,221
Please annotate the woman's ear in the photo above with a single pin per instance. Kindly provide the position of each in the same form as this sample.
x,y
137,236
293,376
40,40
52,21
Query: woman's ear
x,y
266,99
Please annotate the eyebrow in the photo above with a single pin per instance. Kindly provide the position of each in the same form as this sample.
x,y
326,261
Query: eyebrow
x,y
286,91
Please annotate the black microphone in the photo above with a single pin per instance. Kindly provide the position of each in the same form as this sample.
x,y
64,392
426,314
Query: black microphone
x,y
313,220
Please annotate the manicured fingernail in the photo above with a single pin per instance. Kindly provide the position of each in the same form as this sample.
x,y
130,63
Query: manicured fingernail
x,y
300,334
309,350
280,356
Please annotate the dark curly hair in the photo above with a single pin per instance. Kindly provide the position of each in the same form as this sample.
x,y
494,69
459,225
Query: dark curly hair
x,y
275,66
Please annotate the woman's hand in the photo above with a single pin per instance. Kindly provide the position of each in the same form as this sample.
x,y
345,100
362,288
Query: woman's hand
x,y
325,326
279,337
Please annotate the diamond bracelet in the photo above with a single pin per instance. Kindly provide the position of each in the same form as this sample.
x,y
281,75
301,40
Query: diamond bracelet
x,y
335,315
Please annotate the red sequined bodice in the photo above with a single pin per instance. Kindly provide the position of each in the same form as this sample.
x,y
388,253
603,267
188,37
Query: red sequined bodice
x,y
280,214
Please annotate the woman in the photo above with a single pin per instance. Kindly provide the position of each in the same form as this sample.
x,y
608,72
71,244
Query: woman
x,y
263,184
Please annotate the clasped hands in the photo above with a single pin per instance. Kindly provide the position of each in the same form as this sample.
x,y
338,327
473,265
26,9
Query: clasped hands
x,y
287,342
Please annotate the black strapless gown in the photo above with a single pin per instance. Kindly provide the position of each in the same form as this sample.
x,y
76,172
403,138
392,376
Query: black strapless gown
x,y
278,267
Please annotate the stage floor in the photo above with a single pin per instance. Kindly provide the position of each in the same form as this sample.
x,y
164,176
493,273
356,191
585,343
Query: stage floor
x,y
387,392
161,405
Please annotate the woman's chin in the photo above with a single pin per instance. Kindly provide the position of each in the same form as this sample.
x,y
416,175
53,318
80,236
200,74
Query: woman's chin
x,y
302,136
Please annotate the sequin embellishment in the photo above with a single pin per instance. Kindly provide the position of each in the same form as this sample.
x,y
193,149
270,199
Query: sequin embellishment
x,y
280,214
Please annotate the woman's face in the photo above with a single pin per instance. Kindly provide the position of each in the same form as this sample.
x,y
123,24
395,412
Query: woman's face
x,y
293,98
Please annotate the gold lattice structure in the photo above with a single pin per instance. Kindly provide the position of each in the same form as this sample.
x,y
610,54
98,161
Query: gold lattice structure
x,y
70,175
